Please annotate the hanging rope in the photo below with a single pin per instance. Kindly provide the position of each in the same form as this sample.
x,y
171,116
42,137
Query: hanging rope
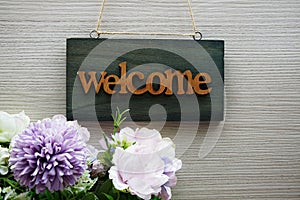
x,y
100,16
96,33
192,16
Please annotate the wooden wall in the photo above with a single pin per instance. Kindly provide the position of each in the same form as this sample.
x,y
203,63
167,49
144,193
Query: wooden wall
x,y
254,154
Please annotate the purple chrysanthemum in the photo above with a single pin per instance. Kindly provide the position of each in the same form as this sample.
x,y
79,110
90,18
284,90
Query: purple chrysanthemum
x,y
48,154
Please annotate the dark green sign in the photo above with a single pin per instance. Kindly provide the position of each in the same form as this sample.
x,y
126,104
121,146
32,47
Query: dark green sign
x,y
171,80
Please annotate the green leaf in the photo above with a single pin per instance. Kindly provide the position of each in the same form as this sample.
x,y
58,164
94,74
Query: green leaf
x,y
56,195
155,198
118,119
108,196
105,139
48,195
90,196
103,188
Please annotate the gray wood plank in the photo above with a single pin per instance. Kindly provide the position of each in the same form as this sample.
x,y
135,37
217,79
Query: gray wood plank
x,y
257,155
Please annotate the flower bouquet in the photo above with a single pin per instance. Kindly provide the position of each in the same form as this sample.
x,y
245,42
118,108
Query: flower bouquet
x,y
50,159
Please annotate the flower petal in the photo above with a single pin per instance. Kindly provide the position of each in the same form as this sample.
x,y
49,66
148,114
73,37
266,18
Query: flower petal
x,y
48,154
22,121
165,193
7,127
117,180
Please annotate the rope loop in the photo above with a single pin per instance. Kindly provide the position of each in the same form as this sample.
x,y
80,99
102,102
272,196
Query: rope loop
x,y
197,36
94,34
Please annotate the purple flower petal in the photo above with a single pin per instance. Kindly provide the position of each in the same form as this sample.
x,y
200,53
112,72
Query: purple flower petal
x,y
48,154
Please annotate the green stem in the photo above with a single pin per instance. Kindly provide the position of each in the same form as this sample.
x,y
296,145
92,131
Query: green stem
x,y
115,129
10,182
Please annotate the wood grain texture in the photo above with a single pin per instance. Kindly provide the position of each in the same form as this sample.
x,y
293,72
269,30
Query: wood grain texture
x,y
257,155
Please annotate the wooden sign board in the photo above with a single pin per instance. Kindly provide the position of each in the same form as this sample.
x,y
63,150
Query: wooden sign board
x,y
170,80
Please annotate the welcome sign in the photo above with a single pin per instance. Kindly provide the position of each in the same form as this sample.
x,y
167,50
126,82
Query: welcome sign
x,y
171,80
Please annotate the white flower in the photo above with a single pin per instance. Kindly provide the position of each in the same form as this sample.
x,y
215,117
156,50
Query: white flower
x,y
82,131
141,136
148,166
4,156
9,193
10,125
138,169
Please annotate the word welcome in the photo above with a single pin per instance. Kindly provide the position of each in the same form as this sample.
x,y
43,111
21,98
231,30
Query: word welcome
x,y
196,84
